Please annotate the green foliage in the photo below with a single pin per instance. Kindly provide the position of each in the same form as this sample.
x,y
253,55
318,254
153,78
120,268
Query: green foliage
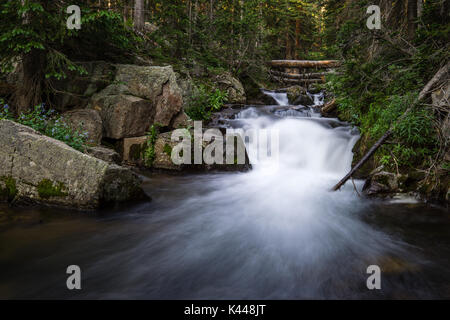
x,y
46,189
5,112
167,149
204,102
30,27
376,109
10,189
50,124
376,87
149,153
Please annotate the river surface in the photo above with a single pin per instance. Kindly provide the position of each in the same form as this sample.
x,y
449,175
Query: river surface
x,y
275,232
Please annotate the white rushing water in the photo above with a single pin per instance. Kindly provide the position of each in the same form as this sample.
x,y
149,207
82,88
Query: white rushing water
x,y
274,232
280,97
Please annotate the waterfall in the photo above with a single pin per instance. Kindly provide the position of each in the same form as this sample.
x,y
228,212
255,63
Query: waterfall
x,y
275,232
280,97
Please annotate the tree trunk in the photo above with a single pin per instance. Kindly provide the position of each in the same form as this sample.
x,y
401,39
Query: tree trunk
x,y
139,14
297,38
412,18
29,92
419,8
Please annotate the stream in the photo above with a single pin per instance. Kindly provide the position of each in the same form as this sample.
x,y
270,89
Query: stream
x,y
275,232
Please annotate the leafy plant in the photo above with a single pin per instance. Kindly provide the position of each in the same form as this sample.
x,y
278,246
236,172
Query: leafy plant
x,y
149,153
50,124
204,102
5,112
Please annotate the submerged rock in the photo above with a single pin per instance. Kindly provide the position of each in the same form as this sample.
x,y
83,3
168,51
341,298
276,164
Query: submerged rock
x,y
298,95
382,182
39,169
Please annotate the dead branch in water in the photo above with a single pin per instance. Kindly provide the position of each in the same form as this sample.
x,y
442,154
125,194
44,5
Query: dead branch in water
x,y
330,106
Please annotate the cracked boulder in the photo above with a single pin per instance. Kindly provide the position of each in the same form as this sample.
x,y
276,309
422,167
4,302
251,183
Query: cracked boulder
x,y
139,97
38,169
232,86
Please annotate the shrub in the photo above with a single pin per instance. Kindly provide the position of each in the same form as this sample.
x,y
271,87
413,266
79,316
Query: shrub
x,y
204,102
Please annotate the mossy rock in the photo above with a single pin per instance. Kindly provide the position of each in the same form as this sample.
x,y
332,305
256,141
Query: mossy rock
x,y
38,169
48,189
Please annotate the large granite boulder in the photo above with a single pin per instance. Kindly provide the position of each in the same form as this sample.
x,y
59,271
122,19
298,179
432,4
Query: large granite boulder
x,y
234,88
123,115
187,87
157,84
86,120
139,97
38,169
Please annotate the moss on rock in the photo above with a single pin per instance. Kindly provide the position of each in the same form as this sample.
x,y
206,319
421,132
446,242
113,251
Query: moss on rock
x,y
167,149
46,189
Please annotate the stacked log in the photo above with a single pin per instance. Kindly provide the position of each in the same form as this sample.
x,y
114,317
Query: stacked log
x,y
288,75
298,81
305,63
301,78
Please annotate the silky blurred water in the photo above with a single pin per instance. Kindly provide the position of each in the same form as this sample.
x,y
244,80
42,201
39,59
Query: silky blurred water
x,y
276,232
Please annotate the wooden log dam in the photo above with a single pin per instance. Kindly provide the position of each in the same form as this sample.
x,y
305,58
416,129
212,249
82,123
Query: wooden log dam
x,y
299,71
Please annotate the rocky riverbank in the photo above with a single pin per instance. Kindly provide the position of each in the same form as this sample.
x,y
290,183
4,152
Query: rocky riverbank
x,y
117,106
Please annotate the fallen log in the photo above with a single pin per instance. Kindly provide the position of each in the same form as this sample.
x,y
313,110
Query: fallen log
x,y
330,106
300,75
304,63
298,81
436,78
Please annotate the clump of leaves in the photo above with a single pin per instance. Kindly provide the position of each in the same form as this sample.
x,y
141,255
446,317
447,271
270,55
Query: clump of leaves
x,y
50,124
5,112
204,102
149,153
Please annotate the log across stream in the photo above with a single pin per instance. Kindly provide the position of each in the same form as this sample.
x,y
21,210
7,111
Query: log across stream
x,y
276,232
